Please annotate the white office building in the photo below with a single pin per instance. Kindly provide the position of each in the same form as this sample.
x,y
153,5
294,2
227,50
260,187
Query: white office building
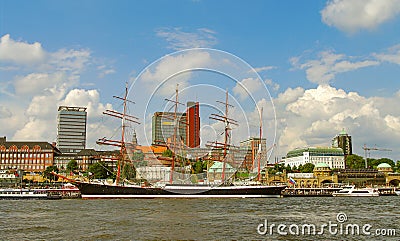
x,y
332,156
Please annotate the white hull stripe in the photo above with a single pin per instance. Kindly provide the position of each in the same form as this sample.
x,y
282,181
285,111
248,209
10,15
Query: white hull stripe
x,y
175,196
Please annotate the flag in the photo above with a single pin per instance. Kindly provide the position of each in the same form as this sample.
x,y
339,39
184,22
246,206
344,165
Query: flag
x,y
292,181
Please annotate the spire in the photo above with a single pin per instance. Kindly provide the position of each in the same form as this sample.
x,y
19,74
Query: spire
x,y
134,138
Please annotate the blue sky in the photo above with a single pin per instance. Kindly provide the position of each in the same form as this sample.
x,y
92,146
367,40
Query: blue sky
x,y
328,65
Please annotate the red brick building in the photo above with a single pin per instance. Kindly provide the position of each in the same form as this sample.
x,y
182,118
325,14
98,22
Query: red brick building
x,y
32,156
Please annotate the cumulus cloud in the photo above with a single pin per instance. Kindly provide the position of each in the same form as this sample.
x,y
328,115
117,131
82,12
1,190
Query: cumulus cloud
x,y
313,117
246,87
35,129
20,52
35,83
354,15
178,39
44,81
324,69
275,86
86,98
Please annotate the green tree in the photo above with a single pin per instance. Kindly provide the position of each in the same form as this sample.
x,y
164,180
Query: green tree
x,y
167,153
355,162
99,170
198,167
397,167
47,173
375,162
72,166
307,168
128,172
288,169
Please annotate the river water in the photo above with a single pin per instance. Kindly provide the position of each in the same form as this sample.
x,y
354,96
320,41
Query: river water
x,y
201,219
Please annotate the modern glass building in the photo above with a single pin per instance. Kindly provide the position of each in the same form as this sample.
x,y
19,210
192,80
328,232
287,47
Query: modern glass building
x,y
163,127
71,129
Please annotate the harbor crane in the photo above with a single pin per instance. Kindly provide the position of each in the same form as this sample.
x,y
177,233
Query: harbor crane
x,y
368,149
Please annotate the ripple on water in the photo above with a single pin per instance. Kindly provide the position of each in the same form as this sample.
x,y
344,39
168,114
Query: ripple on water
x,y
200,219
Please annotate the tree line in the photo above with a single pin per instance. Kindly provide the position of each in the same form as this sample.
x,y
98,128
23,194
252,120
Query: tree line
x,y
352,162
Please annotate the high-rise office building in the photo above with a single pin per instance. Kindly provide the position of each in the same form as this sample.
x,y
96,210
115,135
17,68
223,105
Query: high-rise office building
x,y
163,127
343,140
71,129
193,125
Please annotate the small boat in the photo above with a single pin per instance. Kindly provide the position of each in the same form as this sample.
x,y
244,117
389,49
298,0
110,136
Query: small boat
x,y
351,191
18,193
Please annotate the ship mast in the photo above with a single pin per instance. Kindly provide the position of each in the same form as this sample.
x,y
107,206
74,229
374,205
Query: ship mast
x,y
260,149
120,143
227,121
174,136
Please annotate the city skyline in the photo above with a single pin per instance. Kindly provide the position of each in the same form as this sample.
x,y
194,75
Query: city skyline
x,y
328,65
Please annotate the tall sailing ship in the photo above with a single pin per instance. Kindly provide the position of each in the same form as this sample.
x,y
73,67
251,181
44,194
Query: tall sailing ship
x,y
176,184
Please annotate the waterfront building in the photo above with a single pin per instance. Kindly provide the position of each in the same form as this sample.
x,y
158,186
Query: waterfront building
x,y
31,156
71,129
323,175
163,127
343,140
253,155
332,156
87,157
193,125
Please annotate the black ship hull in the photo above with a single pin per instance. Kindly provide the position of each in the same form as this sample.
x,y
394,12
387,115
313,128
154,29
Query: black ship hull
x,y
104,191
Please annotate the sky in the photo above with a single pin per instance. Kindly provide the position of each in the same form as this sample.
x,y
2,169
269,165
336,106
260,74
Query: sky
x,y
315,67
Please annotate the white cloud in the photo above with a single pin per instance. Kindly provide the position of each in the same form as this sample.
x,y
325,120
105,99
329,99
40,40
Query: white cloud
x,y
70,59
246,87
264,68
354,15
105,71
35,130
178,39
324,69
272,84
20,52
171,71
45,80
313,117
392,55
35,83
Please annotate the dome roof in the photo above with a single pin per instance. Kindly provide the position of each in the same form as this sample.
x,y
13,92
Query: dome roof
x,y
322,164
384,165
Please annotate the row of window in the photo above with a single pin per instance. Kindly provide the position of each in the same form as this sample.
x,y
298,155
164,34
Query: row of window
x,y
15,161
24,167
24,155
